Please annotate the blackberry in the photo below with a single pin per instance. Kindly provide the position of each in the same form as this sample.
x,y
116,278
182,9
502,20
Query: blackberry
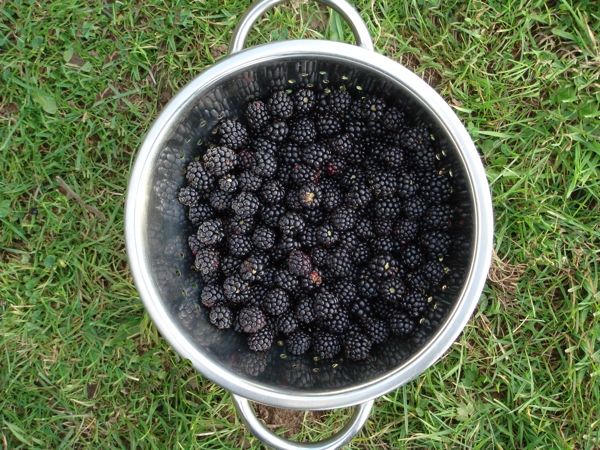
x,y
270,215
305,312
198,177
361,308
349,240
249,181
245,159
411,256
290,154
303,131
288,244
285,280
253,267
388,208
339,262
312,281
417,282
406,231
276,302
336,166
319,255
433,271
436,243
304,100
302,174
261,340
199,212
359,196
356,346
211,295
286,324
377,330
188,196
361,253
385,244
400,323
207,261
331,197
263,238
210,232
230,265
383,227
436,188
328,125
342,144
339,322
384,266
308,237
416,138
232,134
265,164
326,304
393,157
353,176
257,115
194,244
346,291
309,195
240,225
264,145
316,155
291,223
392,290
414,207
372,109
251,319
235,289
219,160
364,228
272,192
327,235
407,184
343,219
292,202
245,204
298,343
394,119
313,216
228,183
221,317
356,128
280,105
239,245
220,200
276,131
325,345
438,217
299,263
335,102
383,184
367,285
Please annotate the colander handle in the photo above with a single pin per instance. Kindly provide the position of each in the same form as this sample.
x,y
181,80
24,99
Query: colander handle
x,y
356,422
258,8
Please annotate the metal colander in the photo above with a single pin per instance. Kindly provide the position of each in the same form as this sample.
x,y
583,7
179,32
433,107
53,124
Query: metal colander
x,y
157,227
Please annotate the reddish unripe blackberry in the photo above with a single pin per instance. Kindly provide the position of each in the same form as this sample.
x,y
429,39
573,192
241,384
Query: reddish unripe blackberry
x,y
326,345
262,340
232,134
356,346
210,232
221,317
211,295
280,105
198,177
257,115
251,319
299,263
188,196
219,160
312,281
207,261
298,343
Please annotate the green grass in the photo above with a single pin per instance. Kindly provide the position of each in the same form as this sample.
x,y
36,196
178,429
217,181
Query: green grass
x,y
81,365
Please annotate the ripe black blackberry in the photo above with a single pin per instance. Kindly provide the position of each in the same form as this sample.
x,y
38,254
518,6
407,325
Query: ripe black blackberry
x,y
400,323
240,225
438,217
285,280
319,256
356,346
219,160
308,237
286,324
299,263
326,304
352,177
436,188
304,174
257,115
194,244
304,101
436,243
314,216
342,144
230,265
290,154
211,295
339,262
276,302
334,102
263,238
420,151
264,145
394,157
361,253
200,212
232,134
361,308
328,125
249,181
303,131
270,215
376,329
309,195
280,105
385,244
392,290
207,261
298,343
383,227
384,266
198,177
235,289
339,322
291,223
388,208
251,319
356,128
210,232
367,285
221,317
316,155
276,131
414,207
343,219
383,184
433,271
245,204
394,119
407,184
327,235
304,311
265,163
411,256
349,240
253,267
345,289
406,231
188,196
262,340
331,197
272,192
417,282
245,159
372,109
228,183
239,245
364,228
220,201
336,166
326,345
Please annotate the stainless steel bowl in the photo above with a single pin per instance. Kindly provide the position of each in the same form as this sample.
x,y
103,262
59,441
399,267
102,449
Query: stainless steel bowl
x,y
156,228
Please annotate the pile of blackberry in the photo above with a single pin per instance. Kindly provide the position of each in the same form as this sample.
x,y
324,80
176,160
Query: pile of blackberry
x,y
322,220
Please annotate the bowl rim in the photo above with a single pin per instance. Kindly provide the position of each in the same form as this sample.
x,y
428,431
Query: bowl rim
x,y
137,201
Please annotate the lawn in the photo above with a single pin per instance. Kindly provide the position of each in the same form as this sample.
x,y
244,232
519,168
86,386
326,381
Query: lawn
x,y
81,364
